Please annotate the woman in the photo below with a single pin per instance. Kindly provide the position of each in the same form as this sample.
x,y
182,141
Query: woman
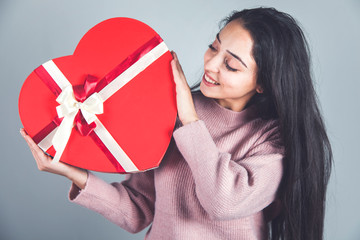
x,y
250,158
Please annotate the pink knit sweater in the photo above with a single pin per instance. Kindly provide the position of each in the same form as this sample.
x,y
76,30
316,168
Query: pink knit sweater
x,y
218,180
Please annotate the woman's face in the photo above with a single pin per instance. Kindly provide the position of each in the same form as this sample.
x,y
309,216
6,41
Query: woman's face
x,y
230,70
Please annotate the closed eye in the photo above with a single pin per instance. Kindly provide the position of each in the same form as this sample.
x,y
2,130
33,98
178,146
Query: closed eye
x,y
229,68
212,48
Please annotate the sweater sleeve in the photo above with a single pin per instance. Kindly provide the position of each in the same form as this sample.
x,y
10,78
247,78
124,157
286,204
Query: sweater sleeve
x,y
230,188
129,204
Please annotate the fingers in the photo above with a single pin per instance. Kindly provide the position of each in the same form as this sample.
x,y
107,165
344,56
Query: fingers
x,y
174,56
28,139
34,148
185,104
178,74
42,160
179,69
176,64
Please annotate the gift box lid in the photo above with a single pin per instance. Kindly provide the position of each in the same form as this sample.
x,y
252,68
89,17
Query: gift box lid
x,y
122,67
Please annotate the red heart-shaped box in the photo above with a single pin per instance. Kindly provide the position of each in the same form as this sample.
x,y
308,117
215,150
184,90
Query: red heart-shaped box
x,y
140,116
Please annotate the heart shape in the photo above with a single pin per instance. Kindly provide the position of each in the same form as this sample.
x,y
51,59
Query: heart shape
x,y
140,116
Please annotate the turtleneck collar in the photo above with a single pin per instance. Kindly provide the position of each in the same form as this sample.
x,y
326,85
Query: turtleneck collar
x,y
216,115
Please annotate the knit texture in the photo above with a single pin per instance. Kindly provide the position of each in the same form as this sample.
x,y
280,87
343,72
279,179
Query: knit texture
x,y
217,180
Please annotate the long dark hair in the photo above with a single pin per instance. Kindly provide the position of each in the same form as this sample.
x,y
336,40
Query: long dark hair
x,y
282,56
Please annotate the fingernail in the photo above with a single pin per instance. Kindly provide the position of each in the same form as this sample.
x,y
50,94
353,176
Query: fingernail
x,y
22,131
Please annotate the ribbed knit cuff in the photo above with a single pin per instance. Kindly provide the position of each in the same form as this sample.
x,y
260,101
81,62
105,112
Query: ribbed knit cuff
x,y
92,185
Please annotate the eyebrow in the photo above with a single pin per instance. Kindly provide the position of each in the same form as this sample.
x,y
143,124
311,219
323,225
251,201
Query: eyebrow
x,y
218,37
232,54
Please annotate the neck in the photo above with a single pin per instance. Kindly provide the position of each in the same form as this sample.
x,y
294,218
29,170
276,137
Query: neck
x,y
236,107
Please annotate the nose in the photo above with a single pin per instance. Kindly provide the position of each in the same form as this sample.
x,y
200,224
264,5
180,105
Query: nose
x,y
212,61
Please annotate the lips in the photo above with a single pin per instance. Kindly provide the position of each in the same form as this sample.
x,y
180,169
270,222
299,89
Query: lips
x,y
208,80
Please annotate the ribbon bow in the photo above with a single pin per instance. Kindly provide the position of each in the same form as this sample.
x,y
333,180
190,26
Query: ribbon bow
x,y
68,109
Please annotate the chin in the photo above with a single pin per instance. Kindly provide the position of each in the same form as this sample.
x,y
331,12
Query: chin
x,y
204,92
202,89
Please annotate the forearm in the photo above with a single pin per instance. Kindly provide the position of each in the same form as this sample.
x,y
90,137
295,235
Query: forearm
x,y
227,188
78,176
129,204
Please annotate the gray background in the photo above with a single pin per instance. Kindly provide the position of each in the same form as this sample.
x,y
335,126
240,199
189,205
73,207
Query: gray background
x,y
34,205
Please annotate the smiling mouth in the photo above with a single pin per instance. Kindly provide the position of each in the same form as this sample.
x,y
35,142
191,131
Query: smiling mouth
x,y
207,79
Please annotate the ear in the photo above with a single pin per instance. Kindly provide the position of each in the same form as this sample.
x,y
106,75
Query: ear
x,y
259,89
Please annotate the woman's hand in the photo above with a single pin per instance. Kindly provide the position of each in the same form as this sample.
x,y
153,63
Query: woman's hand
x,y
44,163
185,104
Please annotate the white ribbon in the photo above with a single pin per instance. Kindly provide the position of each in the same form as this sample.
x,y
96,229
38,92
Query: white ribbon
x,y
68,109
